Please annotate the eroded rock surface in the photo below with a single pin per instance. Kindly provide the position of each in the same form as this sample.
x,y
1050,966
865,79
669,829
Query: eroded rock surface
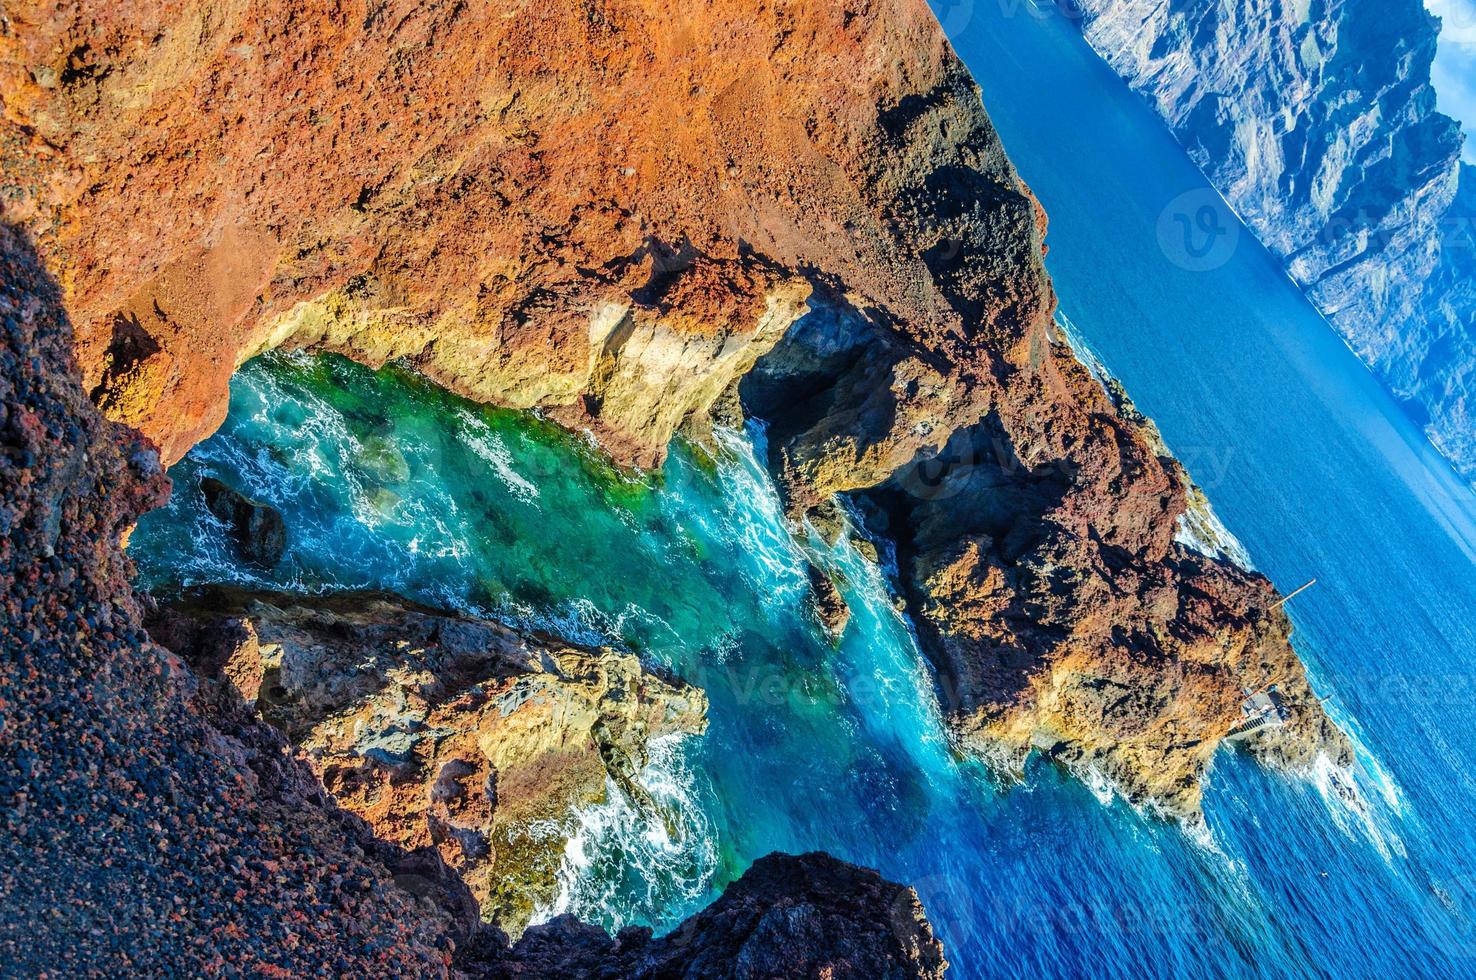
x,y
1039,554
605,212
139,837
459,734
257,529
152,827
1317,121
617,212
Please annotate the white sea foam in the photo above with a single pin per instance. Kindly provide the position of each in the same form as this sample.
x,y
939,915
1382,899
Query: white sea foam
x,y
901,679
625,865
1098,785
1201,529
1083,351
1363,799
756,518
1351,811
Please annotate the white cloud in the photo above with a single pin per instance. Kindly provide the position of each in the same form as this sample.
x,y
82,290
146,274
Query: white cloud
x,y
1454,74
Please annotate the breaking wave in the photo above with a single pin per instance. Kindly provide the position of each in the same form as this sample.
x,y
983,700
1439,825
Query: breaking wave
x,y
627,865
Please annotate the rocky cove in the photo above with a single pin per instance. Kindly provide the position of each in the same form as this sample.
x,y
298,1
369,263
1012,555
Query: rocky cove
x,y
866,284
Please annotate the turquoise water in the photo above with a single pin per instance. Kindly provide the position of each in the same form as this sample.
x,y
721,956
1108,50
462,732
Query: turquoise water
x,y
387,482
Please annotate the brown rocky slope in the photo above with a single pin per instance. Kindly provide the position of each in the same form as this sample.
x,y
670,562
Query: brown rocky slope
x,y
614,213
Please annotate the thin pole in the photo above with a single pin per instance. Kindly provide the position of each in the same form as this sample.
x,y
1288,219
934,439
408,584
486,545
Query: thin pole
x,y
1288,598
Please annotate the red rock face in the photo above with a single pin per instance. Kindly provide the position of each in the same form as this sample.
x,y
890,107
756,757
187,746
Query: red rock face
x,y
471,184
150,830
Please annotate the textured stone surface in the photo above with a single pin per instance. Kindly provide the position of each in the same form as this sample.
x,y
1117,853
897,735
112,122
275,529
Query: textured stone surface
x,y
441,731
136,836
149,827
1317,121
603,211
812,932
256,529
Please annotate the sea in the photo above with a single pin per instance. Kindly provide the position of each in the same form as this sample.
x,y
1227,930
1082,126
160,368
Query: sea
x,y
387,482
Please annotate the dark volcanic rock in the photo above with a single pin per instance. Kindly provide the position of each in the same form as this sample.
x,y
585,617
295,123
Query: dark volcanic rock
x,y
137,836
809,916
1317,121
257,529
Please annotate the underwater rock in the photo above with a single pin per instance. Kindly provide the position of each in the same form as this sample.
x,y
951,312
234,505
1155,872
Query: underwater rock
x,y
828,603
257,529
445,732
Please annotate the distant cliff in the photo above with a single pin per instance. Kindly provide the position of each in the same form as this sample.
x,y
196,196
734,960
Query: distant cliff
x,y
1316,119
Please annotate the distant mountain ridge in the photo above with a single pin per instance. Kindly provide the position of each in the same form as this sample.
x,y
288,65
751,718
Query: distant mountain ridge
x,y
1317,121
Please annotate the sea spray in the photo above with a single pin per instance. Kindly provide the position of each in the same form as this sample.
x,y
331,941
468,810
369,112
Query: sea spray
x,y
1199,527
626,864
809,746
755,512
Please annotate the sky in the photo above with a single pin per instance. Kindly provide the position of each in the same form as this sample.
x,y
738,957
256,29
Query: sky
x,y
1454,75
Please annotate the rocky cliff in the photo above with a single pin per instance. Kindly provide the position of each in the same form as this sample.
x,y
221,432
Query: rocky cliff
x,y
614,214
1317,122
440,731
812,931
618,214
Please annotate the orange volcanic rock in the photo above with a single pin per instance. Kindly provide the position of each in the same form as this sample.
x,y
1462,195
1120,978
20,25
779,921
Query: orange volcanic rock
x,y
538,205
616,212
150,828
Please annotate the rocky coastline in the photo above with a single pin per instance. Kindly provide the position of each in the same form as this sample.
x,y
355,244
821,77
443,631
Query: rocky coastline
x,y
439,731
629,220
154,824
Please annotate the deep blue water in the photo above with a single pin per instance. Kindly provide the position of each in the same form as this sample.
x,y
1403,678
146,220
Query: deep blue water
x,y
387,482
1309,462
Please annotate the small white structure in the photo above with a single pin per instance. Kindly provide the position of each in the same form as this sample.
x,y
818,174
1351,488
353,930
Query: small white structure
x,y
1262,710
